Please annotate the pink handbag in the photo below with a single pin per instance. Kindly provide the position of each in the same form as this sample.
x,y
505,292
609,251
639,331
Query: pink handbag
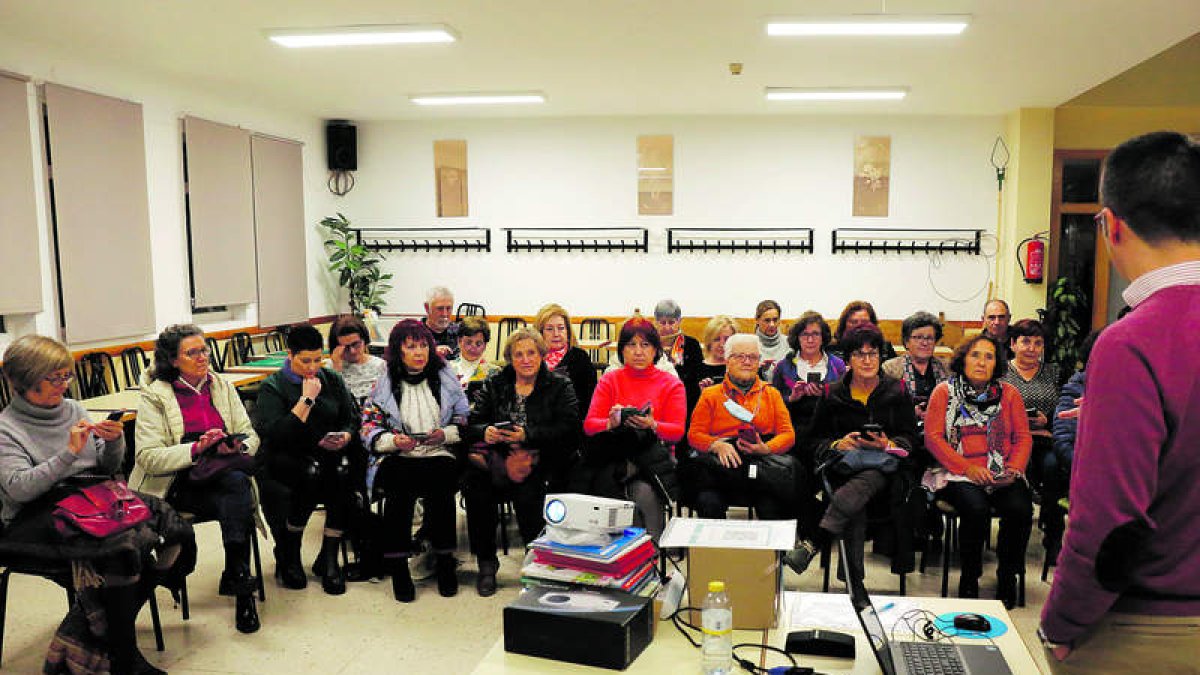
x,y
100,510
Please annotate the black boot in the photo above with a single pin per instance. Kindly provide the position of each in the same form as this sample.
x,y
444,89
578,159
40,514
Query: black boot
x,y
288,570
447,574
402,583
1006,590
332,580
245,615
485,585
121,606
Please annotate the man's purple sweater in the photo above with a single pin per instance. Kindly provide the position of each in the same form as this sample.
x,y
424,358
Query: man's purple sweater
x,y
1132,543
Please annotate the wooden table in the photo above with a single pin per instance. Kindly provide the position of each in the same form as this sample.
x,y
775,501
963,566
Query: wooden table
x,y
99,407
671,653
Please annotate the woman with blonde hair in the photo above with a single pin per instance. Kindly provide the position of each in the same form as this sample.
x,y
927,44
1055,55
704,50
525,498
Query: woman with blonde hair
x,y
563,355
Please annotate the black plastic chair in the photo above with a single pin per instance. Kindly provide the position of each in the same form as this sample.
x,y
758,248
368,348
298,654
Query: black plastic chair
x,y
240,349
273,342
5,392
469,309
96,375
216,357
506,326
133,362
255,557
596,329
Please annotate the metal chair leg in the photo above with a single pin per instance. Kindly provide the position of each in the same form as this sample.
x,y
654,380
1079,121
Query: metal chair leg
x,y
258,574
156,622
947,544
183,601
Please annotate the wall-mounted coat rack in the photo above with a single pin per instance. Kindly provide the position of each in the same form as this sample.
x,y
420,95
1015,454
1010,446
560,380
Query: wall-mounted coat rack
x,y
567,239
885,240
730,239
426,239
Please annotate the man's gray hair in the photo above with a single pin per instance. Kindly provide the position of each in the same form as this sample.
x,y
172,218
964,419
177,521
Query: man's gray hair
x,y
667,309
738,339
438,292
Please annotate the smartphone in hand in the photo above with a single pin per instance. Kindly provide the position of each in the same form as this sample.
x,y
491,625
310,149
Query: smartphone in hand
x,y
813,378
748,434
503,426
116,415
231,439
871,430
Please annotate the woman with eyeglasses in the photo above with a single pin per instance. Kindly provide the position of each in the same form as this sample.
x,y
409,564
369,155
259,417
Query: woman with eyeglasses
x,y
918,369
350,358
863,433
977,430
802,375
857,313
49,449
184,411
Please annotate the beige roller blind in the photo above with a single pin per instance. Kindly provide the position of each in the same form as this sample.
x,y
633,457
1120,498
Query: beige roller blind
x,y
220,203
279,231
98,169
21,292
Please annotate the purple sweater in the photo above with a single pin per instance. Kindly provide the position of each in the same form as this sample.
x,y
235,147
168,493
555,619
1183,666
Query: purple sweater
x,y
1137,460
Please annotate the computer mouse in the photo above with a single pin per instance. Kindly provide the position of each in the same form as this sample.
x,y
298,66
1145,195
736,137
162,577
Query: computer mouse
x,y
972,622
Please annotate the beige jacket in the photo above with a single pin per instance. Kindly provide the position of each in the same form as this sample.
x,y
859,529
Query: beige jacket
x,y
159,455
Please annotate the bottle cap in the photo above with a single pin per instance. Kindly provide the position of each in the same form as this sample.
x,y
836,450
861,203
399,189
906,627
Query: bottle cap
x,y
716,587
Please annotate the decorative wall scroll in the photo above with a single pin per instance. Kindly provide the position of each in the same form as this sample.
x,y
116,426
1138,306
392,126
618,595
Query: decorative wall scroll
x,y
656,175
872,175
450,175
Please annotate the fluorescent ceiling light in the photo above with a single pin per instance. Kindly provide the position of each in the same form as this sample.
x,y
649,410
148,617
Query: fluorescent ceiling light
x,y
832,94
869,24
343,36
477,99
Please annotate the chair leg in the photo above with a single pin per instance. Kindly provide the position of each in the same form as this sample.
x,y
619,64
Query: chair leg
x,y
903,586
504,526
826,564
3,608
183,601
1021,588
258,575
156,622
947,544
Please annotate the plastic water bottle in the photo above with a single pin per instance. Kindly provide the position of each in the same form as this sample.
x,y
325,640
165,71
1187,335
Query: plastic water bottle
x,y
716,619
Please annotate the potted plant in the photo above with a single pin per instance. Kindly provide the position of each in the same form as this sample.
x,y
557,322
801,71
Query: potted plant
x,y
1063,328
357,266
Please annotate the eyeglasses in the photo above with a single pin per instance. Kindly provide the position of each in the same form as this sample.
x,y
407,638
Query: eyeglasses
x,y
749,358
810,336
357,344
927,339
59,380
198,352
866,356
1099,219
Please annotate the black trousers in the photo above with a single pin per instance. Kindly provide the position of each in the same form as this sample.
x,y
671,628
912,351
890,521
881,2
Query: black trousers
x,y
293,484
774,497
1013,503
402,480
227,499
483,497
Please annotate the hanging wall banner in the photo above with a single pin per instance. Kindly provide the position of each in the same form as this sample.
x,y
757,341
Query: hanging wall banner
x,y
872,175
656,175
450,174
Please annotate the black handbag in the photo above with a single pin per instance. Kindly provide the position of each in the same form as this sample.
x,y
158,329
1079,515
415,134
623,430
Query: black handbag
x,y
853,461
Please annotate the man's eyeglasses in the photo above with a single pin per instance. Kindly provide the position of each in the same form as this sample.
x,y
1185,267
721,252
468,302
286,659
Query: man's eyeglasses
x,y
59,380
748,358
198,352
866,356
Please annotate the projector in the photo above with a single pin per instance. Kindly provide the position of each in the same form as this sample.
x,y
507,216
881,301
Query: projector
x,y
585,512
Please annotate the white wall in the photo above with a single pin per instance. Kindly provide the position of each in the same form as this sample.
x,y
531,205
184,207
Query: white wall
x,y
775,171
163,103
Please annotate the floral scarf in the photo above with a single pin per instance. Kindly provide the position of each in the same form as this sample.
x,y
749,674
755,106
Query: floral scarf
x,y
911,376
555,357
966,408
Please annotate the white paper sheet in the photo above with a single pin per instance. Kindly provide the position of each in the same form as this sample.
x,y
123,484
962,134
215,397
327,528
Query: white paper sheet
x,y
779,535
834,611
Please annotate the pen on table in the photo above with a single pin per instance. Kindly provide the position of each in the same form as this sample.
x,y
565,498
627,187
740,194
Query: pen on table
x,y
886,607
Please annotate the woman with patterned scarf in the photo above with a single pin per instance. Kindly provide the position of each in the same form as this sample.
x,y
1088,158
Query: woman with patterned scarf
x,y
977,431
564,356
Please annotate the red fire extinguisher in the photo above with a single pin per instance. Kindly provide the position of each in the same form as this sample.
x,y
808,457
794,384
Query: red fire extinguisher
x,y
1035,259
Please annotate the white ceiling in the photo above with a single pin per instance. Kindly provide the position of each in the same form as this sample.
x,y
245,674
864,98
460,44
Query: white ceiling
x,y
611,57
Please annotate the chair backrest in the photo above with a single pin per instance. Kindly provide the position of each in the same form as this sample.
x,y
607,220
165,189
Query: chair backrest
x,y
469,309
506,326
216,357
5,392
273,342
240,350
596,329
133,362
95,375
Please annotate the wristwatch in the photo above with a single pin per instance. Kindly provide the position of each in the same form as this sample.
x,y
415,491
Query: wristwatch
x,y
308,401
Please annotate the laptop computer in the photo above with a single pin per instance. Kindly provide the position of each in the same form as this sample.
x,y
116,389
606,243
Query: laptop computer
x,y
919,657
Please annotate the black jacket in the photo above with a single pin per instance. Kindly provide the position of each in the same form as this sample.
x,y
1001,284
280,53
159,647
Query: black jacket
x,y
577,366
838,414
553,426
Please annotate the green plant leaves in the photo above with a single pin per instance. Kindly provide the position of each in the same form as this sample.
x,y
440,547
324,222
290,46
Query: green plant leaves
x,y
356,266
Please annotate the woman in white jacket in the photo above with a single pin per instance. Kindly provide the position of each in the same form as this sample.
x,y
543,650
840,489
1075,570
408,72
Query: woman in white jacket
x,y
186,412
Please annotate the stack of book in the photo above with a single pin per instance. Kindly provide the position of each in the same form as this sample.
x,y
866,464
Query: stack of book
x,y
626,563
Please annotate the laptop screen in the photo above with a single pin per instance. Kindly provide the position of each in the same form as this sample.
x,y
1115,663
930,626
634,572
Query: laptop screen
x,y
871,624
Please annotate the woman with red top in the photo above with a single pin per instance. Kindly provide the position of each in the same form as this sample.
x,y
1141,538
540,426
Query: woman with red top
x,y
755,429
635,411
977,430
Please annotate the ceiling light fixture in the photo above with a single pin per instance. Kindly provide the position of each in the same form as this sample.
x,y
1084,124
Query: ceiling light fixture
x,y
869,25
836,94
351,36
478,99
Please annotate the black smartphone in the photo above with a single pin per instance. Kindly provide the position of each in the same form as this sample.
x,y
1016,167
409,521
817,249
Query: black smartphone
x,y
813,378
871,430
115,416
748,434
1031,412
233,438
630,411
506,426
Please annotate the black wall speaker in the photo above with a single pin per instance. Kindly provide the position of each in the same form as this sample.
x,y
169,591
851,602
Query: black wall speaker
x,y
341,145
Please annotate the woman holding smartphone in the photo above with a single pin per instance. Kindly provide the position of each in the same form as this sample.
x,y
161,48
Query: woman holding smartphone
x,y
410,425
186,411
977,430
802,375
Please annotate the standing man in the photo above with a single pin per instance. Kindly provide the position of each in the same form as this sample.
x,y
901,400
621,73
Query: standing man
x,y
1127,591
996,316
439,318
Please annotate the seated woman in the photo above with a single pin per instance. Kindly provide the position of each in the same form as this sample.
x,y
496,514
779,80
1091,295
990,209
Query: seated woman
x,y
855,314
184,411
409,425
348,356
722,442
712,368
471,367
306,417
918,369
1038,383
683,351
872,454
524,426
49,449
563,356
977,430
770,339
636,412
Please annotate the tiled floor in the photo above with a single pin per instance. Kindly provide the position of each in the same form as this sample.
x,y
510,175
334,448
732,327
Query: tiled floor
x,y
365,630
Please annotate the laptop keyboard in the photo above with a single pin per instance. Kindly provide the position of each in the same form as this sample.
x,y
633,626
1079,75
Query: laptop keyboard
x,y
932,658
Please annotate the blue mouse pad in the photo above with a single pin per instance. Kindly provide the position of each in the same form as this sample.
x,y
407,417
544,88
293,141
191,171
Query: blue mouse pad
x,y
945,623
